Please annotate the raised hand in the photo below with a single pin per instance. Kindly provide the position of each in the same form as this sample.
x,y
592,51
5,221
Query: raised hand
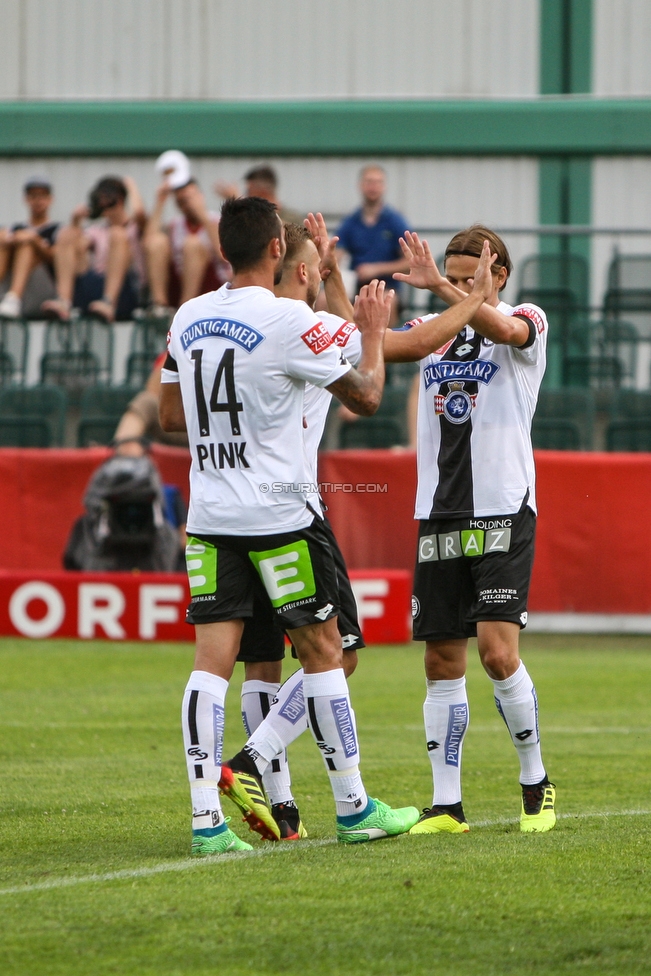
x,y
423,271
373,308
483,282
326,246
162,193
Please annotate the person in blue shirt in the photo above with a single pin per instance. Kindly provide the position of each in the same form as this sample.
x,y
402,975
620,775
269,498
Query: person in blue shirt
x,y
371,234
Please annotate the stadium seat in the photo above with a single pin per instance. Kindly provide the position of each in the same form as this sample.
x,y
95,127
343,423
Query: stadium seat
x,y
14,340
400,375
139,366
32,416
556,435
101,408
386,428
600,372
629,284
558,413
629,435
371,432
628,299
619,340
150,335
554,281
631,405
77,354
72,371
559,285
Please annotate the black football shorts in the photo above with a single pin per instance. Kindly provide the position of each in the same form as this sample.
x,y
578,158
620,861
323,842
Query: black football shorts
x,y
296,570
470,570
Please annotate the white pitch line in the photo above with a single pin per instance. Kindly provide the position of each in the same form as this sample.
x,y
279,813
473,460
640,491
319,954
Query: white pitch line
x,y
188,864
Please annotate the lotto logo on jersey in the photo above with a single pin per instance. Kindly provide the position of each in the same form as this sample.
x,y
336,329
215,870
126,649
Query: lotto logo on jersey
x,y
317,338
343,333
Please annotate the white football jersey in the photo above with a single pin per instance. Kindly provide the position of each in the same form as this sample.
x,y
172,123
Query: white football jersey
x,y
317,401
476,403
243,357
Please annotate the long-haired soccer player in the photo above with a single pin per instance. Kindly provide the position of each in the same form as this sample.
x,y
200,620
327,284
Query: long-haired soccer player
x,y
476,502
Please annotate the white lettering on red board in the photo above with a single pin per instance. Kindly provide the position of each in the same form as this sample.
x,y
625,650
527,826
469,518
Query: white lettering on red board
x,y
158,605
100,605
36,627
368,597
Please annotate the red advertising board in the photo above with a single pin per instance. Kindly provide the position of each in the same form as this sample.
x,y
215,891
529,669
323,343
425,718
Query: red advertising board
x,y
151,606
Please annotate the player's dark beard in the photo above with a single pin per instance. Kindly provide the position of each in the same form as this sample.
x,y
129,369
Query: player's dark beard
x,y
279,272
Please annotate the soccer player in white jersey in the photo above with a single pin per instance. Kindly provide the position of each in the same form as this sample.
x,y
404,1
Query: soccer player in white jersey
x,y
285,718
476,502
238,362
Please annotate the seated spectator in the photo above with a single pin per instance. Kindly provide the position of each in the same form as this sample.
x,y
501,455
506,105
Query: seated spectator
x,y
183,258
26,254
98,266
140,425
261,181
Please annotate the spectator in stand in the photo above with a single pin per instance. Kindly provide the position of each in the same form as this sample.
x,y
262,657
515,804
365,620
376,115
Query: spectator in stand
x,y
371,235
26,254
184,258
99,267
261,181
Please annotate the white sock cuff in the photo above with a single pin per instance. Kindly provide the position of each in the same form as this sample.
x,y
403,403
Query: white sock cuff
x,y
444,690
254,687
325,683
515,679
209,683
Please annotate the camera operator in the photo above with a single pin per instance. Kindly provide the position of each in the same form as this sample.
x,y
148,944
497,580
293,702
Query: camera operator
x,y
99,265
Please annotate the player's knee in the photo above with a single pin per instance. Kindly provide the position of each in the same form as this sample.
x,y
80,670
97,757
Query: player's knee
x,y
499,661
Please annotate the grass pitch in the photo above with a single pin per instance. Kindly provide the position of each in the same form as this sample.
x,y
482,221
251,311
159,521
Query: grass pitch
x,y
95,876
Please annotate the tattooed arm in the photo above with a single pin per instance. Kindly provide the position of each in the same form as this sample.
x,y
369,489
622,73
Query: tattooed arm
x,y
361,389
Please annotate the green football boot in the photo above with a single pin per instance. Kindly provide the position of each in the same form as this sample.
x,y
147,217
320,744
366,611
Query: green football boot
x,y
381,822
221,843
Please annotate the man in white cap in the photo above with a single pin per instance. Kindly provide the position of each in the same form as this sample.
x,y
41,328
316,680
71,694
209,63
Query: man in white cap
x,y
26,253
183,257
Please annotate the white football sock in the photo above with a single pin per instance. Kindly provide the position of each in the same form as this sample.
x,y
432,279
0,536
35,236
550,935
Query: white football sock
x,y
202,720
287,719
257,699
517,703
332,723
446,720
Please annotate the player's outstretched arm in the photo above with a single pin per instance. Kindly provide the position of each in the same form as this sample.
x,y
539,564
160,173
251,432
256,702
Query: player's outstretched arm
x,y
487,320
170,408
361,389
414,345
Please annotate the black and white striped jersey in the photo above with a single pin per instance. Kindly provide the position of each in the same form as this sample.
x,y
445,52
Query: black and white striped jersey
x,y
476,403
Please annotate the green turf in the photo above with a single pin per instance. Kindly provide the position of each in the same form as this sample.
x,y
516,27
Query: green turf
x,y
93,782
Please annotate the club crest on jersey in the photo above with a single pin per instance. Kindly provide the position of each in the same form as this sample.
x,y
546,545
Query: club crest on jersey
x,y
244,335
457,405
477,370
317,338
